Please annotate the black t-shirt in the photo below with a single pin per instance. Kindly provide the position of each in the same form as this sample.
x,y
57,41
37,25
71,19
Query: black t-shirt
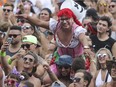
x,y
97,44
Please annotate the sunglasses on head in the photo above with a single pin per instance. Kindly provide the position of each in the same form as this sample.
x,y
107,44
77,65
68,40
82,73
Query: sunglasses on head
x,y
13,35
103,4
26,45
101,55
76,79
26,27
29,59
63,66
112,6
8,10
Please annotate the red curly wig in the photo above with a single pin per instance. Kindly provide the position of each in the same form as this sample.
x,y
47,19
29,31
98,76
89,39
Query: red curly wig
x,y
67,12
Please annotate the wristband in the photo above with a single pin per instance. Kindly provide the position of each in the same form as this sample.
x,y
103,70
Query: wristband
x,y
86,47
9,61
2,54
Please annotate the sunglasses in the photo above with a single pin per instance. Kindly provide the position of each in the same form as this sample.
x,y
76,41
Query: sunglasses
x,y
26,27
101,56
8,10
103,4
20,20
112,6
13,35
63,66
10,82
76,79
29,59
26,45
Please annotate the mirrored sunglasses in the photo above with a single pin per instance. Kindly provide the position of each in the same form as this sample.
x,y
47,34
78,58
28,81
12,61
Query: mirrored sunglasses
x,y
26,27
101,55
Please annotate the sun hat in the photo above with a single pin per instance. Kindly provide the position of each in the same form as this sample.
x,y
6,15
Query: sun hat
x,y
30,38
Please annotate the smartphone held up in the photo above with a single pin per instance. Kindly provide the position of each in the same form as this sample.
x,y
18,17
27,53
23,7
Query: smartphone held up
x,y
9,40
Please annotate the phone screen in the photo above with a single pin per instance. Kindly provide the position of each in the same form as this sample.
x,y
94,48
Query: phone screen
x,y
9,40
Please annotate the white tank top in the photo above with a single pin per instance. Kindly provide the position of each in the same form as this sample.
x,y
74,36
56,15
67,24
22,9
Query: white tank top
x,y
99,82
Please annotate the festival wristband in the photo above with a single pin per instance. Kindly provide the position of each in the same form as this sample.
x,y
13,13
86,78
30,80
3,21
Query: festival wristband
x,y
86,47
2,54
9,61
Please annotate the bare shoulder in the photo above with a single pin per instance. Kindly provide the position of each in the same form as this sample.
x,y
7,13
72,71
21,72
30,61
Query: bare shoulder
x,y
35,81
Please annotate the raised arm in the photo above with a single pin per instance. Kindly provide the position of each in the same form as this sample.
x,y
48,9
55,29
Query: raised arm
x,y
35,20
4,59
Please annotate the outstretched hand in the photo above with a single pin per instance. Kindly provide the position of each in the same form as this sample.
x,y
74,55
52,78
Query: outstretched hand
x,y
21,16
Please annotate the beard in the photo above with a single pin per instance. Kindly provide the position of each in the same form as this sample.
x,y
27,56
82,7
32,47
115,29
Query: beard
x,y
14,42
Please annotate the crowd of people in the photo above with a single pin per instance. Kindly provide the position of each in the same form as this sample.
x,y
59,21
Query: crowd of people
x,y
47,43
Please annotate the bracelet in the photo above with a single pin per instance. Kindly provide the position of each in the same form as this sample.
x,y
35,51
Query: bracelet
x,y
2,54
9,61
86,47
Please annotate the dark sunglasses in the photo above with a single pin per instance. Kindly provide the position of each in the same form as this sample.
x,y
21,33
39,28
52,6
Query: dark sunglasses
x,y
13,35
63,66
29,59
20,20
26,45
26,27
112,6
76,79
8,10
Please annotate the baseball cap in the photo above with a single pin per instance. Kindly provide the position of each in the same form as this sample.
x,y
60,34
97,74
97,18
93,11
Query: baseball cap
x,y
58,84
30,38
64,60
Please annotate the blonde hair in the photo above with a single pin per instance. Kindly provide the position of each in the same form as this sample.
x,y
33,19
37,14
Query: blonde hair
x,y
107,51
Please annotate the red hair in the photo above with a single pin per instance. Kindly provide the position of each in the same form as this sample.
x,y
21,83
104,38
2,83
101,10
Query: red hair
x,y
67,12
